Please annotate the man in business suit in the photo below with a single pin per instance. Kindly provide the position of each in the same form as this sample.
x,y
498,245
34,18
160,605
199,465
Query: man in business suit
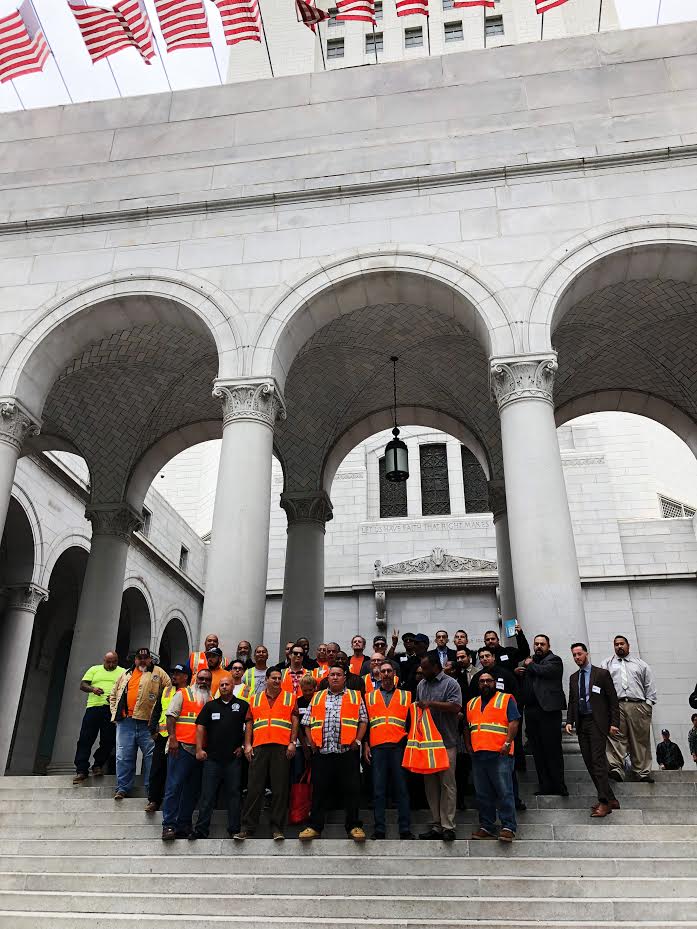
x,y
441,652
595,712
543,697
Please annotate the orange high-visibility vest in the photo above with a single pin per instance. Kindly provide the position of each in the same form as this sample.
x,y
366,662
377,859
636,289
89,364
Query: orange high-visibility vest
x,y
287,685
197,661
356,663
425,752
349,713
489,727
370,686
321,672
271,724
388,724
185,726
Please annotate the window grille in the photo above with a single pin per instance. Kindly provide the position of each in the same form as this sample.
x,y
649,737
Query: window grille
x,y
414,37
476,492
378,11
448,4
435,489
373,41
335,48
672,509
332,21
393,497
453,32
493,25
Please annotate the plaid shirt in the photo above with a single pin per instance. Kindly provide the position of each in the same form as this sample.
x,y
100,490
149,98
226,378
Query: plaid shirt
x,y
331,730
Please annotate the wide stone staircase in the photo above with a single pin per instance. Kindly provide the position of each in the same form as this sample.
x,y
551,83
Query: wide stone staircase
x,y
71,857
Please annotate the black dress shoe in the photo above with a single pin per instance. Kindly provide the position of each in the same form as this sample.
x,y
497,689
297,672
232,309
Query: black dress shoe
x,y
615,775
520,806
180,834
646,780
431,834
448,835
407,835
193,836
168,835
378,835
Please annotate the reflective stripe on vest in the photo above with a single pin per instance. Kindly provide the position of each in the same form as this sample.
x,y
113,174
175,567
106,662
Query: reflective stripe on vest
x,y
287,685
388,724
165,700
271,724
370,685
185,726
349,715
488,728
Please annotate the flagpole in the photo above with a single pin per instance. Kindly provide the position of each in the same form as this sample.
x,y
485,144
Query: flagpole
x,y
38,19
321,44
21,102
484,23
542,27
428,32
215,59
375,43
600,14
114,77
658,15
266,41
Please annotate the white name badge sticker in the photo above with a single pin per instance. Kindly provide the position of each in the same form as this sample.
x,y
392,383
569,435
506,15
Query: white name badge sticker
x,y
503,658
402,657
215,715
499,685
595,689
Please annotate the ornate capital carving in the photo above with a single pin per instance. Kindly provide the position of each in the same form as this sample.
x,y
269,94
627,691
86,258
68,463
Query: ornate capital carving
x,y
259,401
118,519
522,378
25,597
313,507
497,498
16,424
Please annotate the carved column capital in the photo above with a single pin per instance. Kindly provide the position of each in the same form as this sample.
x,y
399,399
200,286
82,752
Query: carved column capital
x,y
16,423
260,401
310,507
117,519
497,498
522,377
25,597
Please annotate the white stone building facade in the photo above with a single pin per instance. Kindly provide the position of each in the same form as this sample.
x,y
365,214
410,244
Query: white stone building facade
x,y
517,224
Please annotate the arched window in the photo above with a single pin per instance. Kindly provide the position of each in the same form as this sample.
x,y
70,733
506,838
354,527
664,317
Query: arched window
x,y
476,494
435,488
393,497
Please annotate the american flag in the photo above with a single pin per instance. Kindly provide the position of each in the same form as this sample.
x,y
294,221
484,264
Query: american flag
x,y
362,11
311,14
412,7
23,45
184,24
137,25
489,4
543,5
103,31
240,18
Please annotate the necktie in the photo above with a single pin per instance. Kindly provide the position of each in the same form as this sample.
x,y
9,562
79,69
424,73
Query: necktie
x,y
582,689
623,673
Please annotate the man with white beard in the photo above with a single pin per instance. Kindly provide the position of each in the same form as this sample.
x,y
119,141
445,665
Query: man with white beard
x,y
183,770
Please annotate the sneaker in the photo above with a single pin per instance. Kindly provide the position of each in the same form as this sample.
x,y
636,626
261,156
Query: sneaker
x,y
169,834
482,834
506,835
308,834
79,778
357,834
151,807
97,771
278,837
448,835
240,836
119,795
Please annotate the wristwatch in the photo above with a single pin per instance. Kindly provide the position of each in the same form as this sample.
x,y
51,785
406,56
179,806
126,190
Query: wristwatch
x,y
358,742
506,744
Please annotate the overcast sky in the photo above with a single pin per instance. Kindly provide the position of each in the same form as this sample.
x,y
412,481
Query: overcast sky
x,y
190,68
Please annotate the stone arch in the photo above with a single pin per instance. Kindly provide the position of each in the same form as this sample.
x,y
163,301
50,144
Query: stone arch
x,y
664,245
62,326
136,621
25,556
174,643
73,538
358,278
409,416
632,401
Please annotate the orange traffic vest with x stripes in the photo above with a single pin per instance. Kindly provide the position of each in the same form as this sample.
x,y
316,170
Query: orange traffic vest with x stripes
x,y
370,683
271,723
489,727
388,724
185,727
349,713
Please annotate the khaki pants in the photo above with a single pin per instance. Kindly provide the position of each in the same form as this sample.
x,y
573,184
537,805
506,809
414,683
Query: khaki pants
x,y
441,794
634,739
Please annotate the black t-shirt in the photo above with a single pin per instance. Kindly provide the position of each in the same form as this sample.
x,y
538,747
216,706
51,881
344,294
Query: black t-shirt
x,y
224,724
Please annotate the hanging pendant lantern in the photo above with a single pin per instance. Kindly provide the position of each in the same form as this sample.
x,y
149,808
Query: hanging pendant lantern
x,y
396,452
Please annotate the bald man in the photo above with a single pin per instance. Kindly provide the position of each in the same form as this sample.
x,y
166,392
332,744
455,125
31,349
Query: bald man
x,y
97,682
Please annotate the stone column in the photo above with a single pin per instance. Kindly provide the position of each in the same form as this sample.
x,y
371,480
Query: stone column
x,y
497,503
97,622
235,598
16,425
543,553
17,626
302,611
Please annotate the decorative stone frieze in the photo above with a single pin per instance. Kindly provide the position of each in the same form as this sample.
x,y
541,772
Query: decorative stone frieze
x,y
522,378
313,507
439,561
497,498
26,597
259,401
118,519
16,424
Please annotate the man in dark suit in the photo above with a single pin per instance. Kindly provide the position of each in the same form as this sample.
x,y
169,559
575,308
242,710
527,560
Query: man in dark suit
x,y
441,653
543,697
595,712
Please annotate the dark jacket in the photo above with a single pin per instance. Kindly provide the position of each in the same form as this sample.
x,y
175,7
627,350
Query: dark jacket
x,y
434,654
605,707
515,654
544,679
501,676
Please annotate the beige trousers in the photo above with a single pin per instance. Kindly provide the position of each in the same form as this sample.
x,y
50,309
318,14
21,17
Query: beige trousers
x,y
634,739
441,794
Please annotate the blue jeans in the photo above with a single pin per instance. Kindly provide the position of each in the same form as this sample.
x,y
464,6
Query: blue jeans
x,y
216,773
131,735
493,783
181,790
95,722
387,769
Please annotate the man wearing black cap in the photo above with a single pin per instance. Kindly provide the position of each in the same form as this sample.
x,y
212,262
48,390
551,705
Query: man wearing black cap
x,y
179,675
407,659
668,754
214,658
380,645
409,680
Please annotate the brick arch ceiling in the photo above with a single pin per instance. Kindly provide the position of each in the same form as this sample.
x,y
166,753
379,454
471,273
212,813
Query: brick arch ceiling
x,y
635,335
343,374
123,393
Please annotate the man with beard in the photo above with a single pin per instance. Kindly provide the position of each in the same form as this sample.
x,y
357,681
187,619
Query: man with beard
x,y
244,653
358,663
183,770
544,700
198,660
508,657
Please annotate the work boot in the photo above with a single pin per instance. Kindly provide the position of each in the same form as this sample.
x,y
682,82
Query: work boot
x,y
308,834
79,777
601,810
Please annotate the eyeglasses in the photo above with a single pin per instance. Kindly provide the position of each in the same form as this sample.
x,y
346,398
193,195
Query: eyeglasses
x,y
298,654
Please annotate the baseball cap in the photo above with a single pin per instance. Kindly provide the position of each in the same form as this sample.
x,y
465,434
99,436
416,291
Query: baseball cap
x,y
215,651
408,635
665,731
179,668
379,638
420,637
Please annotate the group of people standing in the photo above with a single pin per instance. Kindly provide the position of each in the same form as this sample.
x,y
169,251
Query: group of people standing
x,y
248,727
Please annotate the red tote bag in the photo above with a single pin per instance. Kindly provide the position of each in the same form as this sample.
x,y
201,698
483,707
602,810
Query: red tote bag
x,y
300,799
